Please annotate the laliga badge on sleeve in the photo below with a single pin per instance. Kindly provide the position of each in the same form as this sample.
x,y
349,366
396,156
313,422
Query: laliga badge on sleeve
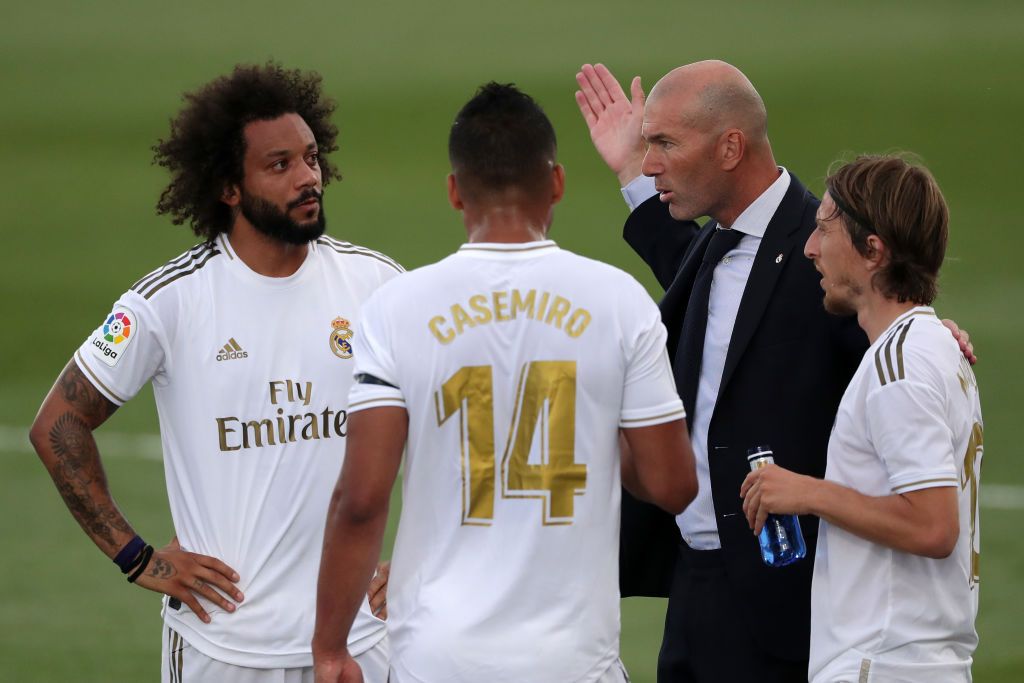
x,y
110,339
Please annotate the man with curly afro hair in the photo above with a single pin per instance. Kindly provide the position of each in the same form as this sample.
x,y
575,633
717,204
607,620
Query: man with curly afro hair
x,y
248,339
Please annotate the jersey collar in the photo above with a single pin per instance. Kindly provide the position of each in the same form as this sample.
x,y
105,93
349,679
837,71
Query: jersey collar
x,y
508,249
916,310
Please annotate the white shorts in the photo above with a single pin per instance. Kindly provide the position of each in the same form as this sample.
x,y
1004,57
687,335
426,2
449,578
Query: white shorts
x,y
867,670
182,663
616,673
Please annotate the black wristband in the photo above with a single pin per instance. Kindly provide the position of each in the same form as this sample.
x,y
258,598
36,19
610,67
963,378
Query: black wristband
x,y
129,555
144,558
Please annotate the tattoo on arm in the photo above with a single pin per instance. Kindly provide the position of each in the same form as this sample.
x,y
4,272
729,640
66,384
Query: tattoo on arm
x,y
81,395
79,477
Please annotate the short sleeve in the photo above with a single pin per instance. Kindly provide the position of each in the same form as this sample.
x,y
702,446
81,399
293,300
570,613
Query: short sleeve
x,y
376,378
649,394
908,426
126,350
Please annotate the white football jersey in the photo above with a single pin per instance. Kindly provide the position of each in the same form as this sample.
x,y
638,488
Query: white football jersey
x,y
517,364
251,377
910,419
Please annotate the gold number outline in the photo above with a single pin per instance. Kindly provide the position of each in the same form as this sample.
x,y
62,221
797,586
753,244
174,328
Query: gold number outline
x,y
970,477
542,384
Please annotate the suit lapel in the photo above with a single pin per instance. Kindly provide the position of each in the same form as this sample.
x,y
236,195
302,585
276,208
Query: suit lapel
x,y
782,238
673,305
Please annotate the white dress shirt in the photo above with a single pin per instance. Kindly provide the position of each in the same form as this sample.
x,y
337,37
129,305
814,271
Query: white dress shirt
x,y
697,522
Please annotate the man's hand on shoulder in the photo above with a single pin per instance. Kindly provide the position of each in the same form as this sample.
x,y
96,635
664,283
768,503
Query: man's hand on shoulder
x,y
615,121
963,339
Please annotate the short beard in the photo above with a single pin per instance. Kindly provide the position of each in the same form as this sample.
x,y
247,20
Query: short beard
x,y
837,306
276,224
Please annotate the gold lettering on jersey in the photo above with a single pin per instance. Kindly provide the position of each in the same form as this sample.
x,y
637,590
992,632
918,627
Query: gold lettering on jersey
x,y
501,306
235,433
969,480
507,305
966,376
544,414
478,302
223,430
521,304
461,318
294,391
446,337
578,321
256,427
542,306
557,311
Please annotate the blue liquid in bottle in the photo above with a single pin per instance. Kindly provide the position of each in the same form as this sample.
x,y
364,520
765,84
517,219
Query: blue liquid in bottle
x,y
781,540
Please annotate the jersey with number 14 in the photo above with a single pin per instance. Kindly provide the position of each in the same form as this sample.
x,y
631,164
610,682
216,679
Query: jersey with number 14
x,y
517,364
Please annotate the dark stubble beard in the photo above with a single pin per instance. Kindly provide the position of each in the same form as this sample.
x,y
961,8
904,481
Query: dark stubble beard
x,y
837,306
277,224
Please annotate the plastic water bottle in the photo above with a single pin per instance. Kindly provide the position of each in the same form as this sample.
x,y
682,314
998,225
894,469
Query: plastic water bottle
x,y
781,540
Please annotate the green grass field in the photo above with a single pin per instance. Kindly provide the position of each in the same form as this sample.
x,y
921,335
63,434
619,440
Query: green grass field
x,y
87,88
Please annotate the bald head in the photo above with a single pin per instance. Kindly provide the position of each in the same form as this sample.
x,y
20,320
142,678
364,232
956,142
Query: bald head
x,y
707,144
714,96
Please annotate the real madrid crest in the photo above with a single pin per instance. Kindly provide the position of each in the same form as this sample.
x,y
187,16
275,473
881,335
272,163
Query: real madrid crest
x,y
340,335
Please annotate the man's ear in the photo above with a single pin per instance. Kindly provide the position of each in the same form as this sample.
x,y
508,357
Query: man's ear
x,y
453,193
557,183
732,145
231,196
878,253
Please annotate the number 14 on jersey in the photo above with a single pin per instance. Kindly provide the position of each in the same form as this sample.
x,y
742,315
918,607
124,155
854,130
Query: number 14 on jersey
x,y
545,399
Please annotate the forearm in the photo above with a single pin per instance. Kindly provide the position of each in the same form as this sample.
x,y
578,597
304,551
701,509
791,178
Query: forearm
x,y
70,455
352,546
658,465
62,435
921,522
630,477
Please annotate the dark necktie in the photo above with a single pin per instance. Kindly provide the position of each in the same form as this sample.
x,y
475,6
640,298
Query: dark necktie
x,y
695,322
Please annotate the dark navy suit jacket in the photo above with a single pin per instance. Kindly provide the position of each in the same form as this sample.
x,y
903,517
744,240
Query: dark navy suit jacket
x,y
786,369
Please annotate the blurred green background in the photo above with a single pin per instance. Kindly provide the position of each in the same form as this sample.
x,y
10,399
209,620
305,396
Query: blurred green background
x,y
87,88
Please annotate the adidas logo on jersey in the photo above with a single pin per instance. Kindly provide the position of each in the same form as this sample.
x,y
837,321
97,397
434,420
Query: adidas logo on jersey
x,y
231,351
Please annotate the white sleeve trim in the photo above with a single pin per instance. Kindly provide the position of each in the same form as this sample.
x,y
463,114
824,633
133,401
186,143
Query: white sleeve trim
x,y
666,412
395,401
924,481
83,365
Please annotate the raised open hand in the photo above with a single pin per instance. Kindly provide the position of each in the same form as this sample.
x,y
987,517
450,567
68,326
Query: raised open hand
x,y
615,121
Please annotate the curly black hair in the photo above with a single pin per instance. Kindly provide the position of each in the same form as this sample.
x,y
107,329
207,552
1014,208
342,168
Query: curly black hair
x,y
206,147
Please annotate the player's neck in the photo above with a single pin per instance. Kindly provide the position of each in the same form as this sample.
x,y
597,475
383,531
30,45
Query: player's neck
x,y
263,254
876,313
508,223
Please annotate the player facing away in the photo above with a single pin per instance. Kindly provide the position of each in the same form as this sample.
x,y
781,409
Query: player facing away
x,y
248,341
895,588
512,367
